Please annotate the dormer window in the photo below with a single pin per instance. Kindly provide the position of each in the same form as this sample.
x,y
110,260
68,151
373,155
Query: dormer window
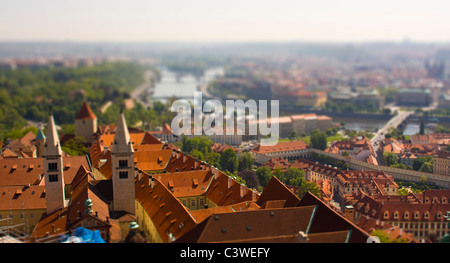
x,y
444,200
396,215
406,215
386,214
416,215
426,215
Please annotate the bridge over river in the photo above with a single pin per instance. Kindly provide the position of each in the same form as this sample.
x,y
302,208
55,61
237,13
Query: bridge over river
x,y
398,119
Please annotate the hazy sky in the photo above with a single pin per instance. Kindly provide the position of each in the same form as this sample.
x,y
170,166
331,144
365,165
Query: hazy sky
x,y
225,20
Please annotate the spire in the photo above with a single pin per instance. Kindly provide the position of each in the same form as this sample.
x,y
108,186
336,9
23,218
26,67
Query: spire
x,y
52,146
122,141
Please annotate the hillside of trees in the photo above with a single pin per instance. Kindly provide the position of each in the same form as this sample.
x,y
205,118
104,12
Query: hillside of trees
x,y
29,94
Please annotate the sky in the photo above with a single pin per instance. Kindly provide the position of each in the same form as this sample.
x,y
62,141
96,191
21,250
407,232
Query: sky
x,y
225,20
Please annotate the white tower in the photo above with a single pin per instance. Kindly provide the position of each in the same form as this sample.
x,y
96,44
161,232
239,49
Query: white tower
x,y
53,169
122,157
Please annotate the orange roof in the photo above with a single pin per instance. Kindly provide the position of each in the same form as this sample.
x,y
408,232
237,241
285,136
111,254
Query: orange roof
x,y
29,171
22,197
281,146
152,160
183,184
165,210
276,190
85,113
223,190
202,214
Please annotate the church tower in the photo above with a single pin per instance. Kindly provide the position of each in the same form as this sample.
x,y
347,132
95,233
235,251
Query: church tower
x,y
53,169
85,123
122,157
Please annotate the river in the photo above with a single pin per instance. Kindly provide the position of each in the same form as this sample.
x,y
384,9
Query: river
x,y
372,125
183,88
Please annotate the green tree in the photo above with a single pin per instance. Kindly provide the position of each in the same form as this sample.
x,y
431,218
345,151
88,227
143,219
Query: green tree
x,y
426,167
245,161
293,176
390,158
307,186
264,174
197,154
75,147
418,162
293,135
213,159
278,173
229,160
423,179
318,140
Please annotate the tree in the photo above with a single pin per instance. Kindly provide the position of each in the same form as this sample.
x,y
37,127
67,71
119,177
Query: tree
x,y
278,173
423,179
213,159
245,161
426,167
390,158
229,160
250,178
264,174
75,146
318,140
307,186
293,176
293,135
418,162
197,154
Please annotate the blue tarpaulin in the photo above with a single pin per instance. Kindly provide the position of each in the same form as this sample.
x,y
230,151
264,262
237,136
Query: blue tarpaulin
x,y
84,235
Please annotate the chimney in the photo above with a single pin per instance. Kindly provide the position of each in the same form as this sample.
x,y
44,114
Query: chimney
x,y
242,191
230,182
151,181
349,213
254,196
196,164
215,172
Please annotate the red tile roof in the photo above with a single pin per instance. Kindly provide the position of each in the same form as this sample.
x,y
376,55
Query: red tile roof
x,y
85,113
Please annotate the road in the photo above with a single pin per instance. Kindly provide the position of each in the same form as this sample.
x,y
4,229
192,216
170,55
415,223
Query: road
x,y
136,94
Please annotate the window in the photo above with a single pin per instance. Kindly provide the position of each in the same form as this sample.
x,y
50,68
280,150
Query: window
x,y
193,202
184,202
53,177
52,166
123,175
123,163
201,202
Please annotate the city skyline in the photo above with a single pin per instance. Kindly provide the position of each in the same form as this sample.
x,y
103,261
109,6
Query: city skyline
x,y
224,21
